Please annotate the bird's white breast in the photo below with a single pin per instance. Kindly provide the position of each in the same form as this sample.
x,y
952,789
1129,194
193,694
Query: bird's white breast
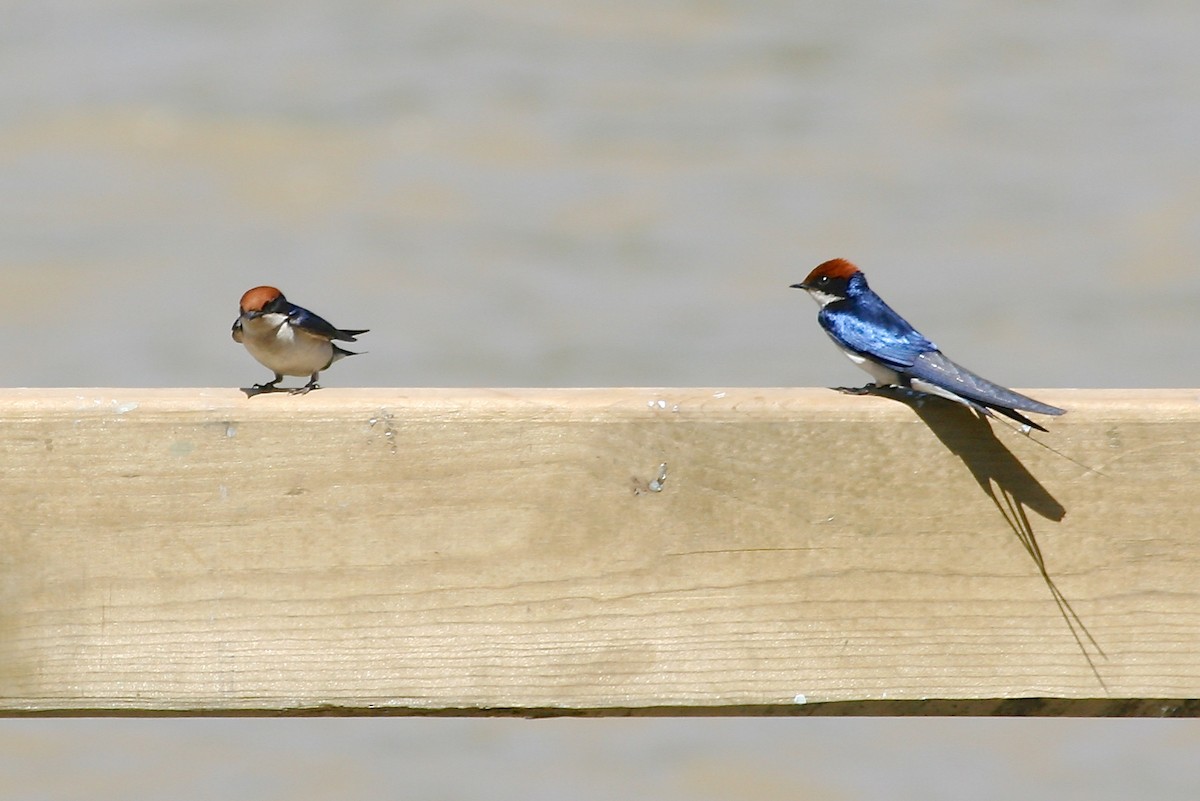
x,y
283,348
883,376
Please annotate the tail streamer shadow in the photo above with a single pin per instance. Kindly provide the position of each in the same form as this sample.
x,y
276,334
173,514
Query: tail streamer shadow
x,y
1009,486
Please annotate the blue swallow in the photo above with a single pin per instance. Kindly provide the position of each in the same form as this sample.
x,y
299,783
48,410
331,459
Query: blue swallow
x,y
880,341
287,339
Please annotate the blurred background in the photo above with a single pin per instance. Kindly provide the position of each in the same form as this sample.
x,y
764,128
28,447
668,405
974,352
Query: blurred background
x,y
598,194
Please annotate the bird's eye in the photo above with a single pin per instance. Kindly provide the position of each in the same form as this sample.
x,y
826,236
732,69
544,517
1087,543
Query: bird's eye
x,y
823,280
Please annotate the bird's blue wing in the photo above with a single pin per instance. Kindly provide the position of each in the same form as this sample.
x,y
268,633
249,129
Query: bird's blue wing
x,y
934,368
316,325
873,329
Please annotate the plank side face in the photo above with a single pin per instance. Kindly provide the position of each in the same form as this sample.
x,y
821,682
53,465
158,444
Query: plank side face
x,y
191,550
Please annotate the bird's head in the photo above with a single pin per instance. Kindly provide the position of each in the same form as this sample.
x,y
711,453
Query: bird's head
x,y
829,281
261,300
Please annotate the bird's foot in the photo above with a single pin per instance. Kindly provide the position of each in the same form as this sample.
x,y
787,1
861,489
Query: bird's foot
x,y
866,389
894,391
262,389
304,390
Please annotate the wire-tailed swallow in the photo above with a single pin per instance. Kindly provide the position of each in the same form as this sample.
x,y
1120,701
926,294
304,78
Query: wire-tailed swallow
x,y
882,342
287,339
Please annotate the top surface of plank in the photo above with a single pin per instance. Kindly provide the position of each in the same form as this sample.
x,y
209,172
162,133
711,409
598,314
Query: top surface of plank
x,y
637,401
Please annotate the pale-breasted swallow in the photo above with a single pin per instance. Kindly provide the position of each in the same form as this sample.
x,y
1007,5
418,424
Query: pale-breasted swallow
x,y
287,339
880,341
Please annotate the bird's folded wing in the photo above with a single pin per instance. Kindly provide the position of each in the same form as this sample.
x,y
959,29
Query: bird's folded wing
x,y
316,325
934,368
877,332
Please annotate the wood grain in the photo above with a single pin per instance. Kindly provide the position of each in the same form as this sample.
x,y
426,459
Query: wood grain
x,y
487,551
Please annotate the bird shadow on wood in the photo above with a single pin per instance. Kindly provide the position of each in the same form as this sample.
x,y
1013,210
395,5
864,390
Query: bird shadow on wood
x,y
1006,482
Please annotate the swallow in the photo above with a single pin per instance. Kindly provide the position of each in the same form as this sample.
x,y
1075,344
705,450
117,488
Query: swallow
x,y
287,339
880,341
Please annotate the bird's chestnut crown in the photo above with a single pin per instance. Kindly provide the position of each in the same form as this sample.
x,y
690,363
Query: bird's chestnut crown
x,y
826,272
255,300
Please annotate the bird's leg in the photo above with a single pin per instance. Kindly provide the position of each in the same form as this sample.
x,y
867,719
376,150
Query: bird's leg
x,y
307,388
270,386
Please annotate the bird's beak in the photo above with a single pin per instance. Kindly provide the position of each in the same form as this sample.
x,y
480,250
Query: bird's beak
x,y
799,286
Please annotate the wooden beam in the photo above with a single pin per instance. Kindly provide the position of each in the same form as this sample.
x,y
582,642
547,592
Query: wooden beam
x,y
607,551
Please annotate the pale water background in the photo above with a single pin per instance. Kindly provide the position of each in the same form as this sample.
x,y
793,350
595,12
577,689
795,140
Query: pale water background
x,y
571,194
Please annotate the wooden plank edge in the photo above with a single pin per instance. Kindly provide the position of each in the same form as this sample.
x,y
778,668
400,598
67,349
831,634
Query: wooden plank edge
x,y
930,707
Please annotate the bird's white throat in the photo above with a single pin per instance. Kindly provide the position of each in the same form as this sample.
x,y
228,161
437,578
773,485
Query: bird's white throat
x,y
823,299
